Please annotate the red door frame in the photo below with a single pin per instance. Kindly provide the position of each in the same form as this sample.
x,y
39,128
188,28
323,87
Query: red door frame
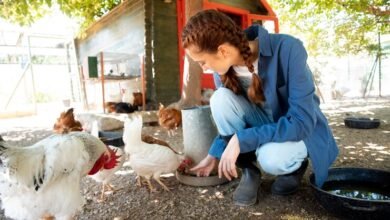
x,y
247,20
181,19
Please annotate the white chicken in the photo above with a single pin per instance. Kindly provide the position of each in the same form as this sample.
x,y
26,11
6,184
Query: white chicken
x,y
148,160
105,176
44,179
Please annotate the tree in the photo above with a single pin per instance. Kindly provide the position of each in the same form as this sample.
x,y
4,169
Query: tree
x,y
338,26
328,27
334,27
27,12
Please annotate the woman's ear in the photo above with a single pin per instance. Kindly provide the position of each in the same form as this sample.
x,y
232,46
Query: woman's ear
x,y
225,50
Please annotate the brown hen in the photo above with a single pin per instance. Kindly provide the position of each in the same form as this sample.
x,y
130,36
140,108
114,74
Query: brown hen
x,y
169,118
66,123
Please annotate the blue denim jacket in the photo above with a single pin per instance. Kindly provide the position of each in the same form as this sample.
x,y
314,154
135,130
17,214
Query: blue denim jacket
x,y
289,92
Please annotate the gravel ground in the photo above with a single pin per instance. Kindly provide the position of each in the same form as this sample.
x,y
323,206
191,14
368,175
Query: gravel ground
x,y
358,148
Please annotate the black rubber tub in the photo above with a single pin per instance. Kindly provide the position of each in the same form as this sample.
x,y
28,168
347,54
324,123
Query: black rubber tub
x,y
355,193
362,123
113,138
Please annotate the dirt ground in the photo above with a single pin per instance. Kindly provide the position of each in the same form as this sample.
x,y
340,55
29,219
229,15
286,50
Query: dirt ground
x,y
358,148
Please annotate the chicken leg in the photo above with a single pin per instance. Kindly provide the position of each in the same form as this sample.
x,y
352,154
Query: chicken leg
x,y
140,182
110,188
171,133
151,188
157,178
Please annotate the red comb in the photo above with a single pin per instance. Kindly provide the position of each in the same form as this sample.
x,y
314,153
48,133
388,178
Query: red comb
x,y
113,159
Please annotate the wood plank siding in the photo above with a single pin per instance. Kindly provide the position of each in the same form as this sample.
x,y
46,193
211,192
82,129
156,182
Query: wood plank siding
x,y
119,32
136,28
162,62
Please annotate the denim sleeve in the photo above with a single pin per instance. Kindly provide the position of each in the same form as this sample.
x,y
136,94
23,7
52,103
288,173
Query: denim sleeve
x,y
217,147
300,120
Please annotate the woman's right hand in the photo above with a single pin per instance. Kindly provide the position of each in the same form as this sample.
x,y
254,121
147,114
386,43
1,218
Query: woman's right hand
x,y
205,166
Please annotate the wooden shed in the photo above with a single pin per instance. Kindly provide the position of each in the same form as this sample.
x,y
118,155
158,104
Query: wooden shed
x,y
137,45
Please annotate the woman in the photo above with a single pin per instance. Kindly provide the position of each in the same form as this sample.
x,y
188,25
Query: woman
x,y
264,107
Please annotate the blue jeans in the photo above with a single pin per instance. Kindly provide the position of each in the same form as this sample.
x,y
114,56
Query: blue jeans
x,y
232,112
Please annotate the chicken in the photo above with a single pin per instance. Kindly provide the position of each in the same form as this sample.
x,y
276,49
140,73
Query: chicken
x,y
130,102
132,97
185,165
110,106
105,176
138,99
152,140
66,123
44,179
119,107
148,160
169,118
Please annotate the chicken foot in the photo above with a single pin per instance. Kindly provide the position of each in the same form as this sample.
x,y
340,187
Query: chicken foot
x,y
157,178
171,133
151,188
139,181
110,188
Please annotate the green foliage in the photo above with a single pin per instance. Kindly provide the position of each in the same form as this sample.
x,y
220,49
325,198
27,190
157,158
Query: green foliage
x,y
327,26
25,12
334,27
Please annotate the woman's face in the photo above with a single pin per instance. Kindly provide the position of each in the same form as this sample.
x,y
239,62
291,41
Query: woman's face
x,y
219,62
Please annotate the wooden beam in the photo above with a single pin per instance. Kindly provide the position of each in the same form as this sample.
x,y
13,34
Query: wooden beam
x,y
143,82
102,79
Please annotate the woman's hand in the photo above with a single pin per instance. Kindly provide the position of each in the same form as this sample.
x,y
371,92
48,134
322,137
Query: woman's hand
x,y
205,166
227,164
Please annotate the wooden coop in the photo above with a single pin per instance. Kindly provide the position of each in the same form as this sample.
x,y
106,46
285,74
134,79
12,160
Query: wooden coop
x,y
137,47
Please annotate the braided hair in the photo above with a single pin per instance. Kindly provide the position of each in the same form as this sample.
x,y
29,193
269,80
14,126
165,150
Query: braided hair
x,y
207,30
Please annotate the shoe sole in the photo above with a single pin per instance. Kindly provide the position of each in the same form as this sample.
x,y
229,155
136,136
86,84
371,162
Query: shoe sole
x,y
305,165
244,204
283,193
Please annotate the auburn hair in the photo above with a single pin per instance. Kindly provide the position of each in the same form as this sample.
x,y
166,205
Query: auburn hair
x,y
207,30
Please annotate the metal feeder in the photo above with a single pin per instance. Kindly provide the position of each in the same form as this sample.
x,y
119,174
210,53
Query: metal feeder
x,y
198,134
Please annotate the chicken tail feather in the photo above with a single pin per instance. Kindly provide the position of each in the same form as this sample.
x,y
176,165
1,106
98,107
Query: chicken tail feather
x,y
25,165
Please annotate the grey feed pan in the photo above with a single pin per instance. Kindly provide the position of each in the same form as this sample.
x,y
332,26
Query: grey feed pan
x,y
192,180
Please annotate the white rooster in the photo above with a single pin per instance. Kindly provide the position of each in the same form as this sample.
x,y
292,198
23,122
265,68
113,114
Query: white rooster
x,y
44,179
148,160
105,176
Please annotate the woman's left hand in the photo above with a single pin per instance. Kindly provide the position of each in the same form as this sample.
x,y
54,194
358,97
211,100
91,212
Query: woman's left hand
x,y
227,164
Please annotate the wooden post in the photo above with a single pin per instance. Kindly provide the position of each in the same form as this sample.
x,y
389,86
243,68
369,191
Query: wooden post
x,y
83,89
102,78
143,82
32,75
